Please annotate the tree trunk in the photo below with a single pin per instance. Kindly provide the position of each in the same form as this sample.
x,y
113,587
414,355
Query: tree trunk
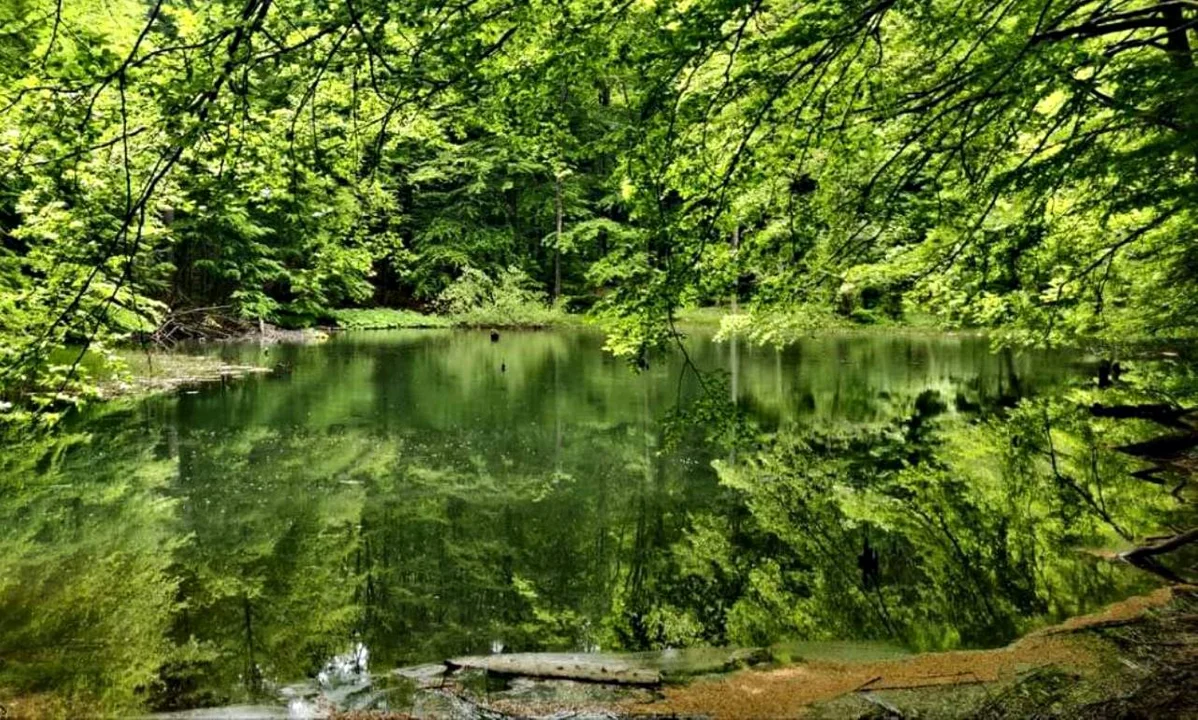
x,y
734,385
557,250
736,269
1177,44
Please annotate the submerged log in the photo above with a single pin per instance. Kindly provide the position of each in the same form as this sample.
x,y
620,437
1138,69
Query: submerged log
x,y
582,668
425,676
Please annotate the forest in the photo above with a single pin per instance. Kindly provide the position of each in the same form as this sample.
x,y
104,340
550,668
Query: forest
x,y
171,169
346,342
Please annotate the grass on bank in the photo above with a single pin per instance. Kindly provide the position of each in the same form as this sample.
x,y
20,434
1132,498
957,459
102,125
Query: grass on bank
x,y
386,319
785,326
498,317
774,327
507,299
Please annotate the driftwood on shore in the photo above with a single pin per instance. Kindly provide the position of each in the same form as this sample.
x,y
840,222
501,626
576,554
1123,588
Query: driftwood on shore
x,y
582,668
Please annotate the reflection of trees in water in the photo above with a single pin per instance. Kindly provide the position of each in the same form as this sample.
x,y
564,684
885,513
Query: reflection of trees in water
x,y
425,509
978,533
272,526
86,596
517,550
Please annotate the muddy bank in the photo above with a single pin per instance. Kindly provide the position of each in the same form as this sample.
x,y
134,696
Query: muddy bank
x,y
1113,659
1138,658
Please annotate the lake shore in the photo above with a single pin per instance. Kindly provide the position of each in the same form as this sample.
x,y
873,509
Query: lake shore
x,y
166,370
1107,664
1135,658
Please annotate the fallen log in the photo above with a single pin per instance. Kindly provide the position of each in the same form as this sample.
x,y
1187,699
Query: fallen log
x,y
554,666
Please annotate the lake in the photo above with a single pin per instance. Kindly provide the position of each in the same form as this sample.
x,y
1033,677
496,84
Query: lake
x,y
427,494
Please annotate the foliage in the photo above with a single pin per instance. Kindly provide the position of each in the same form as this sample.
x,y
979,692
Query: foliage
x,y
508,300
1034,174
385,319
1022,166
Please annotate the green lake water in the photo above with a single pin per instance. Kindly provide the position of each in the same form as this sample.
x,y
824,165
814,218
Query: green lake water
x,y
426,494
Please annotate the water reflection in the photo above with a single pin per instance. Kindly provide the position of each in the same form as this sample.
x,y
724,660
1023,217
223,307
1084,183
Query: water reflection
x,y
428,494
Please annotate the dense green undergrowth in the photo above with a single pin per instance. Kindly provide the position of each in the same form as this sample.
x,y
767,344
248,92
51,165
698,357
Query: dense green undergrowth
x,y
508,299
393,319
385,319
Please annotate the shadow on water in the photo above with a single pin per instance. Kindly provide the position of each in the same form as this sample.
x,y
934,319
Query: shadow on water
x,y
431,494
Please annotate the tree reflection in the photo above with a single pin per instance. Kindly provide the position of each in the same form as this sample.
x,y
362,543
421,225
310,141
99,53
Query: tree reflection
x,y
86,591
410,496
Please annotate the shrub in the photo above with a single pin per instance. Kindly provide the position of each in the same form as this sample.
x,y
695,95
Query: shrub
x,y
476,299
386,319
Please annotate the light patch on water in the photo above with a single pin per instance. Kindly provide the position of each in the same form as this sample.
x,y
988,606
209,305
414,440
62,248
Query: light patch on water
x,y
299,709
347,668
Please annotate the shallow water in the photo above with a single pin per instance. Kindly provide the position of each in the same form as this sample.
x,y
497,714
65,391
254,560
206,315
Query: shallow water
x,y
427,494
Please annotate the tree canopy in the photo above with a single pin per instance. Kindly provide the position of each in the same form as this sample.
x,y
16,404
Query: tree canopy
x,y
1022,165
